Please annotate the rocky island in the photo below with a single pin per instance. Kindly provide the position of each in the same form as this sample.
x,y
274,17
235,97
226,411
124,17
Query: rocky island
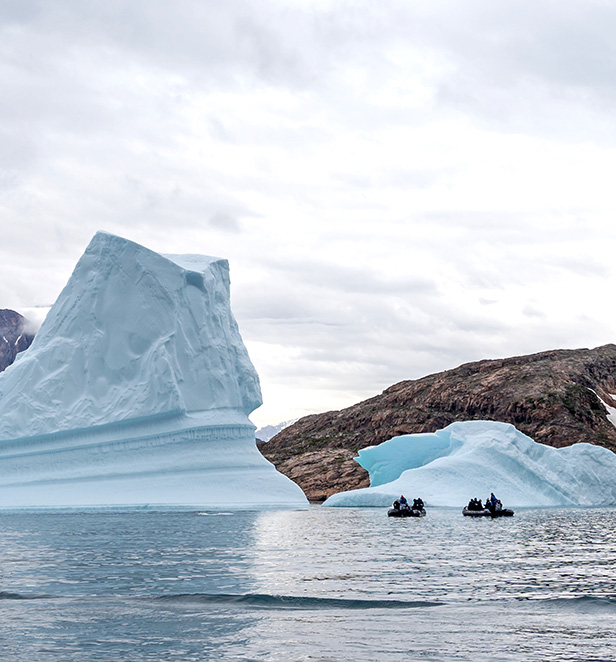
x,y
558,398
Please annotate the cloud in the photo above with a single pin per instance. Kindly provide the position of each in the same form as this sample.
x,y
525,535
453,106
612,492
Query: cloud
x,y
224,221
530,311
398,188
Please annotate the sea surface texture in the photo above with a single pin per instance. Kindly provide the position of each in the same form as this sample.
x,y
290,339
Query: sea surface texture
x,y
316,585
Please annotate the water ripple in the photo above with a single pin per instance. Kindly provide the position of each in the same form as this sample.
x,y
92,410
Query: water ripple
x,y
264,601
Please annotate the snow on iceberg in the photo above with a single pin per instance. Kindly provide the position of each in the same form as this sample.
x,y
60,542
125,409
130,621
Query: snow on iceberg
x,y
473,458
136,390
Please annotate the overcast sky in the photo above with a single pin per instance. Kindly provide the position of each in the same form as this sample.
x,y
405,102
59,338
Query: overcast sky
x,y
399,187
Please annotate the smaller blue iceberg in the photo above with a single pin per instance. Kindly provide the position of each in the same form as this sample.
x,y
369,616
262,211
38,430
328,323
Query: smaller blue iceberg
x,y
473,458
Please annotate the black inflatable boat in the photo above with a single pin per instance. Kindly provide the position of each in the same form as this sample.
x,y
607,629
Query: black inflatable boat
x,y
504,512
406,512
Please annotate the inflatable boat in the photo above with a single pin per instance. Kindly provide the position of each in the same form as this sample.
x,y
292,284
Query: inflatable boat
x,y
504,512
406,512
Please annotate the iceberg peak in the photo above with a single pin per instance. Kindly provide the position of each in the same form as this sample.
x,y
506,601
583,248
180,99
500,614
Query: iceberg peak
x,y
138,386
132,334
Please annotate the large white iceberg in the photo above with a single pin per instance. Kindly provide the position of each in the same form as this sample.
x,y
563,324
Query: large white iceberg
x,y
473,458
136,391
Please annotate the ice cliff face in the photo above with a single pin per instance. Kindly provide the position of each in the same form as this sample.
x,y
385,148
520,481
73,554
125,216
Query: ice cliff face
x,y
473,458
136,389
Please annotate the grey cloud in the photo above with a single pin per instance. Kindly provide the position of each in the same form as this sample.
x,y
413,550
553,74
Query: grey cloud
x,y
224,221
584,267
210,39
543,68
207,45
561,44
380,351
530,310
364,280
109,120
353,330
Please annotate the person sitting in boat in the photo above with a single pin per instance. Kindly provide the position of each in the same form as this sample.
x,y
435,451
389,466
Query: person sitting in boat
x,y
418,504
403,500
488,505
396,504
499,505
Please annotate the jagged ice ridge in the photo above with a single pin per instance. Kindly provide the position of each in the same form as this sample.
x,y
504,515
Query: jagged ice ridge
x,y
473,458
136,391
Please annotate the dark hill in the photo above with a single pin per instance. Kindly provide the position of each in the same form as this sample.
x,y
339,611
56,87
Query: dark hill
x,y
554,397
13,338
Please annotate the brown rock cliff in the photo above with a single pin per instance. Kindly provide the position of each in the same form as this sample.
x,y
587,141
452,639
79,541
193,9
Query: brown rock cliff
x,y
13,338
552,397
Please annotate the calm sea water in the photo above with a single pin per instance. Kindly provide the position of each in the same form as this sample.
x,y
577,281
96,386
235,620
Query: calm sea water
x,y
319,585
